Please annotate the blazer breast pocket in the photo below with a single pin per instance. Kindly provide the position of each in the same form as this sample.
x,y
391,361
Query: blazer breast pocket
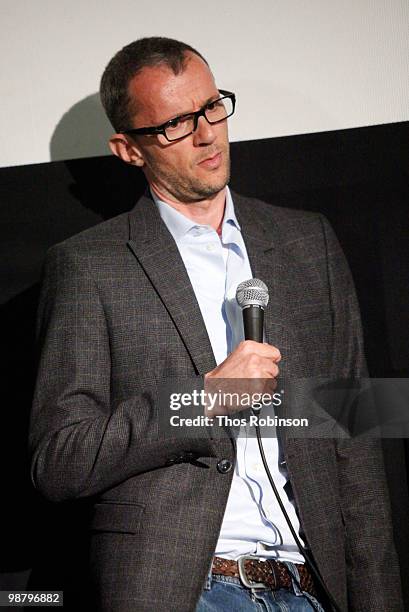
x,y
117,517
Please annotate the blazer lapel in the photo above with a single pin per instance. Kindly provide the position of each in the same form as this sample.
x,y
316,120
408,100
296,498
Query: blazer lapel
x,y
157,253
261,245
267,260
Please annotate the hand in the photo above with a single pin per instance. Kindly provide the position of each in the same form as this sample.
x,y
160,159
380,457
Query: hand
x,y
250,369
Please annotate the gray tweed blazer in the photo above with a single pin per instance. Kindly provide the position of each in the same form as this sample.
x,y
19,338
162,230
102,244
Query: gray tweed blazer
x,y
117,317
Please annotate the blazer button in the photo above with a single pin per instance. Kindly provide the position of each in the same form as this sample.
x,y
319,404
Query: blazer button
x,y
190,456
224,466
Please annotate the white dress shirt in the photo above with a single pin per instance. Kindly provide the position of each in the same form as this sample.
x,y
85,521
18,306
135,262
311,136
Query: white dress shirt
x,y
253,522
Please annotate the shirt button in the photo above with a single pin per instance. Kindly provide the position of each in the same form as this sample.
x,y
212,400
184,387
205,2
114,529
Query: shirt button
x,y
224,466
210,246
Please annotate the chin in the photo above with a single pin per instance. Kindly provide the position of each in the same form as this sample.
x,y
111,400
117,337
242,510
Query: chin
x,y
207,191
213,187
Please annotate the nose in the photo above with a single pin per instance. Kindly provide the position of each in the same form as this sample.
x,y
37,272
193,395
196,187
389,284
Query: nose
x,y
204,133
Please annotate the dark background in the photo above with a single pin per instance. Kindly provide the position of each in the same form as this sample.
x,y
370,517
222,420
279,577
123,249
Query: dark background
x,y
358,178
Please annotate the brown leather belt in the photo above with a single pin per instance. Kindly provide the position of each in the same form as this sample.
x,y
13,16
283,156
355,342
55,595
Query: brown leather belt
x,y
256,574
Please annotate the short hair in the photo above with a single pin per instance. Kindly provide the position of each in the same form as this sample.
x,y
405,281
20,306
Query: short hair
x,y
130,60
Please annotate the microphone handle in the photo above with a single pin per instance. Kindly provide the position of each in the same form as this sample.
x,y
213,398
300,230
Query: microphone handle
x,y
253,321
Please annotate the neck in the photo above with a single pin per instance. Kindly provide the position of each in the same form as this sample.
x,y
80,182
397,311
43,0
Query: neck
x,y
203,212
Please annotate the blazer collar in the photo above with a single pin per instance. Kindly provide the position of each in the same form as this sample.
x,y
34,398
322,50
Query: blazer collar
x,y
259,237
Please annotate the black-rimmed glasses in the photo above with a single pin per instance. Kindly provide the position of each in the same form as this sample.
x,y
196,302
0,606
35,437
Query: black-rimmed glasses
x,y
214,112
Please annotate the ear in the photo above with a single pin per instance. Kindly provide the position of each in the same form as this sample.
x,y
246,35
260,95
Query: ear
x,y
126,149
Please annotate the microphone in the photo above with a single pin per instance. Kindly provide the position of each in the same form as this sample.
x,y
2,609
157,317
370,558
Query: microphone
x,y
252,297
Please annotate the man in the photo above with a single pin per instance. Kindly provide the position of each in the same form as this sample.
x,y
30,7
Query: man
x,y
148,297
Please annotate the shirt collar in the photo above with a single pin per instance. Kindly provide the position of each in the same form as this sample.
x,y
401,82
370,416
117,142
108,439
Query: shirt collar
x,y
229,214
179,225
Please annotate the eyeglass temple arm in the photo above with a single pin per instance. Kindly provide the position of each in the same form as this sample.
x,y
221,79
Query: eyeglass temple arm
x,y
149,130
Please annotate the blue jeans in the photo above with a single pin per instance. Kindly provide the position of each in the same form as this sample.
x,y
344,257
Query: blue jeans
x,y
227,594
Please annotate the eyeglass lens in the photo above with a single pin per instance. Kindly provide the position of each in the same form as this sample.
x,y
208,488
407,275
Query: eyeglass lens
x,y
214,112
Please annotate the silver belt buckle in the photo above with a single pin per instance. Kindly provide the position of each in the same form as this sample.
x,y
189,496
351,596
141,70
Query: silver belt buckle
x,y
243,577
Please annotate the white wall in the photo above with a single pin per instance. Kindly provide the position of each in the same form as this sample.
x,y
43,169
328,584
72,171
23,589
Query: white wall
x,y
297,66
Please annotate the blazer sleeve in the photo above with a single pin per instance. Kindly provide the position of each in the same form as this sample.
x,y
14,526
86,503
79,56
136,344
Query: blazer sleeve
x,y
82,444
372,565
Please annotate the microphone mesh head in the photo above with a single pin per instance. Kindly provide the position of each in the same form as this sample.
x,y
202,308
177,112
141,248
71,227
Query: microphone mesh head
x,y
252,292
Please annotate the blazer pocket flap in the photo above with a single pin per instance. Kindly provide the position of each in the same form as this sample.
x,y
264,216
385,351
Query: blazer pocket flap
x,y
116,517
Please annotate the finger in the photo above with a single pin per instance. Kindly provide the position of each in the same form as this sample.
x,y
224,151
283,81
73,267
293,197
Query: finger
x,y
271,369
261,349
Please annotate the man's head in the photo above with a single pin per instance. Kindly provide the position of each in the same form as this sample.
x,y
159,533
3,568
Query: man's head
x,y
148,83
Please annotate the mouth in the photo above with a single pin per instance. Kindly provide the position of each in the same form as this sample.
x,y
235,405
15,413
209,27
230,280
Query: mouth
x,y
212,162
